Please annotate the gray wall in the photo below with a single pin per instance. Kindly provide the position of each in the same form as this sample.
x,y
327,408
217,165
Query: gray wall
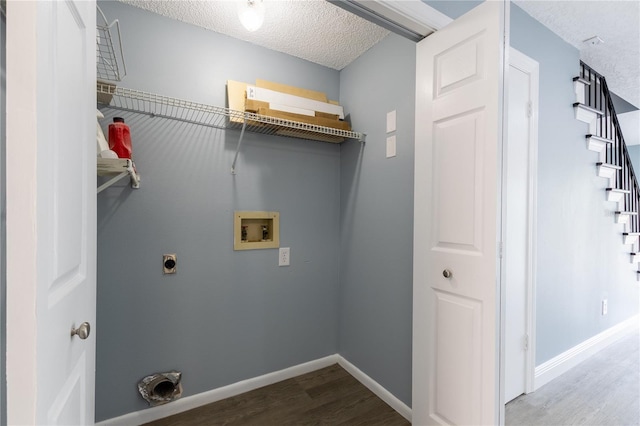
x,y
225,316
620,105
376,210
581,259
453,9
3,221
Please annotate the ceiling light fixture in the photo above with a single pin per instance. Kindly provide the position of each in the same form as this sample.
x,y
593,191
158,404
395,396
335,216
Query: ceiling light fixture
x,y
251,13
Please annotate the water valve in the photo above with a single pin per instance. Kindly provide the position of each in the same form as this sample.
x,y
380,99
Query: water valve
x,y
169,263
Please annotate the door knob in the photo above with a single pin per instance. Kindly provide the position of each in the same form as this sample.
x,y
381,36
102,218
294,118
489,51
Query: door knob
x,y
447,273
82,332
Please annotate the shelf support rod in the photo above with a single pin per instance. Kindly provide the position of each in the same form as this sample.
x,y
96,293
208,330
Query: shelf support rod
x,y
235,158
112,181
133,174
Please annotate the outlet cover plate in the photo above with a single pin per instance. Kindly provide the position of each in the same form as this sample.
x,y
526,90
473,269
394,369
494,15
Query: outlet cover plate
x,y
391,146
391,121
284,256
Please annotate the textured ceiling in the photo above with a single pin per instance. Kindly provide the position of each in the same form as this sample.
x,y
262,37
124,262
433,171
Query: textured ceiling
x,y
320,32
314,30
616,22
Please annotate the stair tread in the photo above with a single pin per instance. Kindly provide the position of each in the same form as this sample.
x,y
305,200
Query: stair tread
x,y
582,80
624,191
588,108
600,138
611,166
629,213
631,233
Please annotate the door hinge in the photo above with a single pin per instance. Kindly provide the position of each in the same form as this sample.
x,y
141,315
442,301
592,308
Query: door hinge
x,y
526,342
500,244
529,109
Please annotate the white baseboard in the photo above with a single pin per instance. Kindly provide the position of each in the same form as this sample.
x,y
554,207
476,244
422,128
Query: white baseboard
x,y
194,401
562,363
376,388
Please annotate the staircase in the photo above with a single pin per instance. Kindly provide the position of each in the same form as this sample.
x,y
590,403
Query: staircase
x,y
595,106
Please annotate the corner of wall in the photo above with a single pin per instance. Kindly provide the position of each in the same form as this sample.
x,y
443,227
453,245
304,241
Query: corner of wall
x,y
376,216
3,268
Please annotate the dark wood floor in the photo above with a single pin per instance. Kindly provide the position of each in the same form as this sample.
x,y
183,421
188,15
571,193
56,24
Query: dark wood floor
x,y
330,396
603,390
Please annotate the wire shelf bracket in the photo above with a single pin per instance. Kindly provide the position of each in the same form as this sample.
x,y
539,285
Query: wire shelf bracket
x,y
235,157
121,167
213,116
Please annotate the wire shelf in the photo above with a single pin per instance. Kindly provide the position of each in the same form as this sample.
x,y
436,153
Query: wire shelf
x,y
110,63
213,116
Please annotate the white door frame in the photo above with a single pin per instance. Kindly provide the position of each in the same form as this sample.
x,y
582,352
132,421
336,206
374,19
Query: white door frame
x,y
531,68
21,148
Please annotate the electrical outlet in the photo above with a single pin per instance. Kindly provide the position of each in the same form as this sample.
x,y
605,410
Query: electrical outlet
x,y
169,263
605,307
284,256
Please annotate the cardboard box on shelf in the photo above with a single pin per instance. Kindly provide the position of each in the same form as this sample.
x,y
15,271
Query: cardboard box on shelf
x,y
287,103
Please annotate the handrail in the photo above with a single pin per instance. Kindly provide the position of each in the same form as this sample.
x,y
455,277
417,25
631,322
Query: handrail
x,y
597,96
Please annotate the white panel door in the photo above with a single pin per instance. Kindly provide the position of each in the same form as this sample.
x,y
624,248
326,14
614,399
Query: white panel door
x,y
519,225
53,137
456,221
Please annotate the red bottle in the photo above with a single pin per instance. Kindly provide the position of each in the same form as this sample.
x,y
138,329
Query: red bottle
x,y
120,138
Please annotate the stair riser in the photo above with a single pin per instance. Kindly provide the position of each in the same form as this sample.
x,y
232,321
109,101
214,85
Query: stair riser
x,y
606,172
584,115
597,145
629,239
615,197
622,218
579,88
635,258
